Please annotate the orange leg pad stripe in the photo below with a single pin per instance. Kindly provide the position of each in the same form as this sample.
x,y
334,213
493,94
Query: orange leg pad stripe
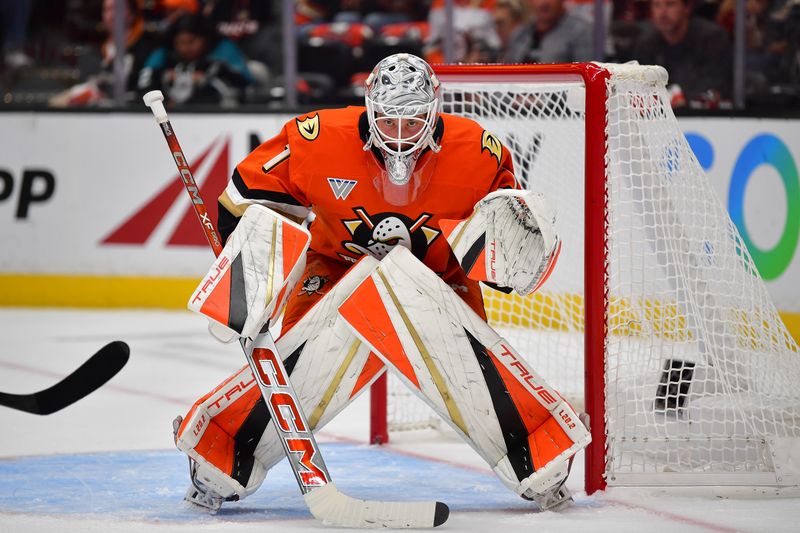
x,y
294,244
218,303
217,447
547,442
532,412
478,271
372,367
229,419
215,391
232,417
219,387
365,312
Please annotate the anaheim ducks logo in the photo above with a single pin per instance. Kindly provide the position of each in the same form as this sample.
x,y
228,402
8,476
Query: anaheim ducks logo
x,y
491,143
377,234
308,128
313,285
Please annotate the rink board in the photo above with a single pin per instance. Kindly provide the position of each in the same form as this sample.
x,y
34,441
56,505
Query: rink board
x,y
104,222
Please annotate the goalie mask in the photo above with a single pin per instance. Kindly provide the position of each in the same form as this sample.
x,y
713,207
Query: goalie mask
x,y
402,100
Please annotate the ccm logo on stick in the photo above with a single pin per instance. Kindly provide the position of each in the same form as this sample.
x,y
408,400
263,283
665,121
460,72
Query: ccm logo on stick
x,y
186,176
265,359
304,450
288,418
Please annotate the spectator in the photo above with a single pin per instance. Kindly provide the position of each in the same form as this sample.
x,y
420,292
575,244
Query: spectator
x,y
786,16
585,9
631,10
254,25
139,44
196,66
763,48
555,35
379,13
510,17
626,26
144,24
473,29
16,15
696,52
768,40
314,12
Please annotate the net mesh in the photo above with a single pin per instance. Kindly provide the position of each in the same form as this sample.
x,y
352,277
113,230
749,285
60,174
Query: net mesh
x,y
701,374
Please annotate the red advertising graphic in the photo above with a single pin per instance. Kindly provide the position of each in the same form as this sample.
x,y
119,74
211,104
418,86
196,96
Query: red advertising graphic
x,y
141,225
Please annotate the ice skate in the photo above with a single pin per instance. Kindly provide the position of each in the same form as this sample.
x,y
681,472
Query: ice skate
x,y
199,493
557,497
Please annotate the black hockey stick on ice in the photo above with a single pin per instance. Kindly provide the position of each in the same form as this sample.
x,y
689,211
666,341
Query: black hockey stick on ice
x,y
89,377
324,500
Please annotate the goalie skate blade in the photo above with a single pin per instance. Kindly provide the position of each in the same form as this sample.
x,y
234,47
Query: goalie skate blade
x,y
334,508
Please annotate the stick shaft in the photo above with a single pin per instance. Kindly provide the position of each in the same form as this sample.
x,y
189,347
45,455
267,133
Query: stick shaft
x,y
191,187
272,378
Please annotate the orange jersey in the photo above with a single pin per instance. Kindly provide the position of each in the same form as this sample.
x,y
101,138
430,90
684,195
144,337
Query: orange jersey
x,y
317,163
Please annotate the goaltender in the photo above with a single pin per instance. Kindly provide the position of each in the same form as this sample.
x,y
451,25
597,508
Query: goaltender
x,y
407,207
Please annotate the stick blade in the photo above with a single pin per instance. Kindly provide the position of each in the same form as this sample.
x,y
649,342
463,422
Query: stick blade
x,y
87,378
335,508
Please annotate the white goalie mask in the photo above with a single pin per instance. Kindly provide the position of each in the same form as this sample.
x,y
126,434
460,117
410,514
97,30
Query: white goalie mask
x,y
402,100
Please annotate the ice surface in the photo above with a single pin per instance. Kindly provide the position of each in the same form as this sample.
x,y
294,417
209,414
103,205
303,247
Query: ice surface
x,y
107,462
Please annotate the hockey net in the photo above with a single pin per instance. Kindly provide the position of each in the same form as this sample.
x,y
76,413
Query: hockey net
x,y
690,375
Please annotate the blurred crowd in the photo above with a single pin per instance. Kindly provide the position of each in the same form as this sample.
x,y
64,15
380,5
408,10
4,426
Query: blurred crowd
x,y
226,53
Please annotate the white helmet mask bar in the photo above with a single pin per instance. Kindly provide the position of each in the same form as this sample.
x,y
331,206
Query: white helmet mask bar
x,y
402,100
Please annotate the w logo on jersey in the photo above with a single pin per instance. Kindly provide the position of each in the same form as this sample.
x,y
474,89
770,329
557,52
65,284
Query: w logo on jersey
x,y
341,188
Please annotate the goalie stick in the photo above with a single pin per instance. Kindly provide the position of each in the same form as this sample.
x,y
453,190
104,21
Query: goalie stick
x,y
324,500
88,377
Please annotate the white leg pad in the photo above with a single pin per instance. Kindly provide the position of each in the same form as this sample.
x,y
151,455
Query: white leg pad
x,y
455,362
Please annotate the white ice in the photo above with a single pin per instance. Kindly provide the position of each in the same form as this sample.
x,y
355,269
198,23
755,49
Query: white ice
x,y
173,361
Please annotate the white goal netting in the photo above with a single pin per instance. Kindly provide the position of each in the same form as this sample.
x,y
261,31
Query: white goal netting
x,y
702,380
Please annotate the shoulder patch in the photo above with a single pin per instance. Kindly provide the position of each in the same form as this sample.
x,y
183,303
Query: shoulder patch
x,y
490,142
308,127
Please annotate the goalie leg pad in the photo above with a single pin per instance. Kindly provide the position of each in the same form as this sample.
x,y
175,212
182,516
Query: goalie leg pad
x,y
455,362
228,432
215,434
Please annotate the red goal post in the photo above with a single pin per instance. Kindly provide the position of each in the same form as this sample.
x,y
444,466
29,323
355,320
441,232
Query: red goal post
x,y
655,323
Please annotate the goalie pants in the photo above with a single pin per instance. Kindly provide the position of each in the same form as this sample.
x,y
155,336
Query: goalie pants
x,y
229,442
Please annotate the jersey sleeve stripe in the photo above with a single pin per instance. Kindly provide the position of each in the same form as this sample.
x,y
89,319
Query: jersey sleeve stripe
x,y
233,200
259,194
277,160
